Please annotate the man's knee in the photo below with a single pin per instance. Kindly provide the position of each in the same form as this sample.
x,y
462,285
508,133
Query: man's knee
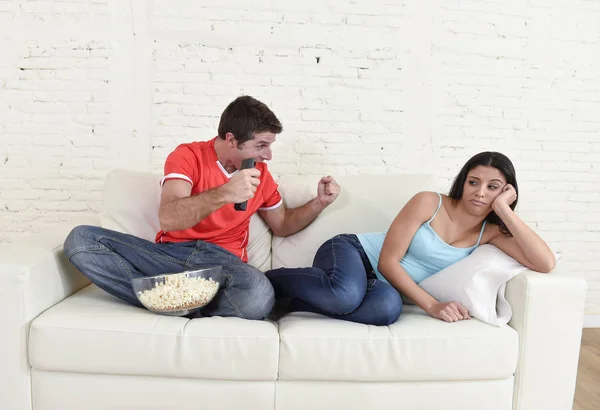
x,y
81,238
264,300
259,298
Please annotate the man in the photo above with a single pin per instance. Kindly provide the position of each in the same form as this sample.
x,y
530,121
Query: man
x,y
199,226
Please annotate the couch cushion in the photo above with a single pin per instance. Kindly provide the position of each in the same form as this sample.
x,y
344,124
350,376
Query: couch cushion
x,y
130,206
415,348
93,332
366,203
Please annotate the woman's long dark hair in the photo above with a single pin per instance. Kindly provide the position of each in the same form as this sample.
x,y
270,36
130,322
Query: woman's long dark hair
x,y
487,159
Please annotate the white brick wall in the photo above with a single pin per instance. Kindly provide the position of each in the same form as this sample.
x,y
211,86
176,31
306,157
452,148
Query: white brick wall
x,y
362,87
54,110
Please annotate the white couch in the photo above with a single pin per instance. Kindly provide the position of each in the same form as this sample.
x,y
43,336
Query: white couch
x,y
70,346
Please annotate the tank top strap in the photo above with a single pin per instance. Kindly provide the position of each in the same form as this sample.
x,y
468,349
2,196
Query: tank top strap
x,y
481,233
438,208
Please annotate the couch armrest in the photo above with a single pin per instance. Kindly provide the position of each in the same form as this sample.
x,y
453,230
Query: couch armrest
x,y
35,276
548,315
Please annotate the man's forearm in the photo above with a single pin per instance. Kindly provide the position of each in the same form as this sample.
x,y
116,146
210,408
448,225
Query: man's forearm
x,y
299,218
185,213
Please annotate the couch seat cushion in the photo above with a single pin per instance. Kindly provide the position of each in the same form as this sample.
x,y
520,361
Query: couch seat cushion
x,y
415,348
93,332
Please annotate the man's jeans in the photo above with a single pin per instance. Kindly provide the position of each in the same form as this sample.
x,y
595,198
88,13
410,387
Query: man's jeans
x,y
341,284
111,259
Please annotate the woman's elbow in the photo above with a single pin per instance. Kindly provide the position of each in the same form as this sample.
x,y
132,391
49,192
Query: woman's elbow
x,y
547,266
384,264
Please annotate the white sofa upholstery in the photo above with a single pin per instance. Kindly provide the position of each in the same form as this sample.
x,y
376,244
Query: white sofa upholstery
x,y
70,346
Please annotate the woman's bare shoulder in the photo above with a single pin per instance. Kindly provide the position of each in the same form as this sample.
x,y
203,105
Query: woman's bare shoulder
x,y
423,203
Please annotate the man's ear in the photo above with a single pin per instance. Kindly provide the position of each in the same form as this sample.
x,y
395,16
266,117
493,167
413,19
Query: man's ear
x,y
230,139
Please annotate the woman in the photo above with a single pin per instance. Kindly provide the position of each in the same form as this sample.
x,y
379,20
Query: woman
x,y
358,277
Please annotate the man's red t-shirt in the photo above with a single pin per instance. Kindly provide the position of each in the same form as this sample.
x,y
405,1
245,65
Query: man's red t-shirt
x,y
198,164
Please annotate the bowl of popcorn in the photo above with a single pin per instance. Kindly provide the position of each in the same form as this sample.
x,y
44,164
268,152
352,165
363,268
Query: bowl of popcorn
x,y
179,294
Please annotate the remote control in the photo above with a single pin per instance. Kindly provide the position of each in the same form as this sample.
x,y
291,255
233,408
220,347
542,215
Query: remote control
x,y
247,163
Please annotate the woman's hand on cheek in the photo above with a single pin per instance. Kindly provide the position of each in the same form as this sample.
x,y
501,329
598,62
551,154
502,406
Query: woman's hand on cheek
x,y
506,198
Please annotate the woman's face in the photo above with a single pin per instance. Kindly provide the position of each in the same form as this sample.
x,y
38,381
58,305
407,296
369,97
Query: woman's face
x,y
482,186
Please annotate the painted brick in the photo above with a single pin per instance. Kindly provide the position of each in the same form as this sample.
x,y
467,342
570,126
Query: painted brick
x,y
87,86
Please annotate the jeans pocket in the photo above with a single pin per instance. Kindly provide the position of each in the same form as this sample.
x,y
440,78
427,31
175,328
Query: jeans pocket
x,y
207,254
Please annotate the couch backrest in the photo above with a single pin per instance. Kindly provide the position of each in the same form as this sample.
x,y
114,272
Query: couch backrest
x,y
130,206
366,204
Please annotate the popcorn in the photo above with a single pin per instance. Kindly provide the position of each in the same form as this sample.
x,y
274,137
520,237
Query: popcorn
x,y
178,292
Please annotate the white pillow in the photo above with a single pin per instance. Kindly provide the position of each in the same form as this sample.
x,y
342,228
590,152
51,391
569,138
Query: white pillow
x,y
478,283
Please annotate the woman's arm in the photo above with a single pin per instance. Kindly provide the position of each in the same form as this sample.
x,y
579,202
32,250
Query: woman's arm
x,y
524,245
417,211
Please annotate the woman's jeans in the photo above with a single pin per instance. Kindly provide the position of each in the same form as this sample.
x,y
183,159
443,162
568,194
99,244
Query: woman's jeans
x,y
341,284
111,259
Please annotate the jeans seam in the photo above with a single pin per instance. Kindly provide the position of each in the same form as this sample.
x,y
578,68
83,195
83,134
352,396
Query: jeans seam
x,y
308,273
142,250
220,254
215,260
187,263
103,249
124,266
230,300
86,249
334,255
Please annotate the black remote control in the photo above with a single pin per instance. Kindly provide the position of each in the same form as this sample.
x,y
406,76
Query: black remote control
x,y
247,163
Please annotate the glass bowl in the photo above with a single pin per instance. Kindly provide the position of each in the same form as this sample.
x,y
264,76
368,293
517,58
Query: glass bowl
x,y
179,294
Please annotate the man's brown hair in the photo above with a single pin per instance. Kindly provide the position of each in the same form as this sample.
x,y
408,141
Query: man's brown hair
x,y
246,116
